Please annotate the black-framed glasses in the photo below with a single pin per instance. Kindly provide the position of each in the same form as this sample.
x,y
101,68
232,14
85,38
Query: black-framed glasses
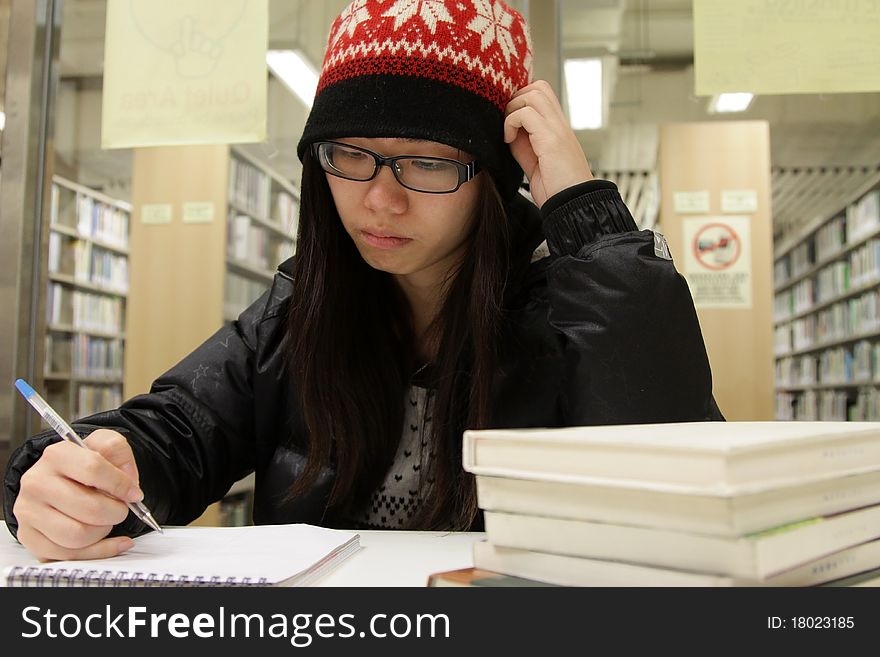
x,y
432,175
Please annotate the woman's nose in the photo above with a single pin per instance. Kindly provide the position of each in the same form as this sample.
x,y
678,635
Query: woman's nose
x,y
385,193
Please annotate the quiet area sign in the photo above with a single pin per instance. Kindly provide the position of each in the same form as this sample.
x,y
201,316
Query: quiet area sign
x,y
717,261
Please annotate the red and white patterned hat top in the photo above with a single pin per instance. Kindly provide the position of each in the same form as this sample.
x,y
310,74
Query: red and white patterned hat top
x,y
482,46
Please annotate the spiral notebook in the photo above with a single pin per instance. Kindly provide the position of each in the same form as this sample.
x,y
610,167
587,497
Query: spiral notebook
x,y
265,555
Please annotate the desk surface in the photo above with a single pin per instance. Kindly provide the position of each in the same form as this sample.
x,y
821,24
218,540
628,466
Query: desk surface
x,y
385,558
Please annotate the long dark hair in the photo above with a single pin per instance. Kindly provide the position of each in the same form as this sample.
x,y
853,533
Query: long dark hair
x,y
352,352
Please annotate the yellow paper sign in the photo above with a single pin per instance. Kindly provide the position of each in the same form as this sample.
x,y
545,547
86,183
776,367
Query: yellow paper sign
x,y
184,72
156,213
786,46
198,212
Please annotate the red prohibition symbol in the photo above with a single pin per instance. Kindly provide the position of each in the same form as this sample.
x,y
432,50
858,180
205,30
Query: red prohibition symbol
x,y
717,246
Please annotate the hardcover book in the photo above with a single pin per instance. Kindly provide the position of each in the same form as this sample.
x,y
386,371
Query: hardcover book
x,y
629,503
477,577
579,571
754,556
710,457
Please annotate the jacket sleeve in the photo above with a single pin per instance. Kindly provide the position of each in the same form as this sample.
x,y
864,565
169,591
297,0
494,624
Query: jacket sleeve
x,y
192,435
631,339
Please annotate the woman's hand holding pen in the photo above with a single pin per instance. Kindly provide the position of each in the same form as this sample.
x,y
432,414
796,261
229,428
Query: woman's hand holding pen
x,y
543,142
71,498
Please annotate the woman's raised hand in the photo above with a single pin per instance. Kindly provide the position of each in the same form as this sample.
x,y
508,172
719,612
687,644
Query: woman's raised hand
x,y
543,142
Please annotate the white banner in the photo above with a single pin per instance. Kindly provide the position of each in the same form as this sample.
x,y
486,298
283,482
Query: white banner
x,y
184,72
786,46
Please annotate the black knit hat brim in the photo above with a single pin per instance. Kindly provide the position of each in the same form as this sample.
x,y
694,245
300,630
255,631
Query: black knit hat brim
x,y
374,106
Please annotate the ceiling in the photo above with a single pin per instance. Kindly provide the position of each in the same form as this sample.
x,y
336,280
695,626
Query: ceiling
x,y
650,43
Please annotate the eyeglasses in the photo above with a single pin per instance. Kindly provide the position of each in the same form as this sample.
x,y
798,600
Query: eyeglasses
x,y
432,175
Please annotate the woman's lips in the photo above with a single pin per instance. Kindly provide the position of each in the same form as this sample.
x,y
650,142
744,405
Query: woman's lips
x,y
384,241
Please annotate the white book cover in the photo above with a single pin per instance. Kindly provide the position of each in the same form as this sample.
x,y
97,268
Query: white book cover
x,y
716,457
689,511
756,556
564,570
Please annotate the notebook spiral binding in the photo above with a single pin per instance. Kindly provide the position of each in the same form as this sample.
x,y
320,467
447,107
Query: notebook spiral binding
x,y
21,576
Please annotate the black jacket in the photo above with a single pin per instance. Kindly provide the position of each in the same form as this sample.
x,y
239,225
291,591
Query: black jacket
x,y
601,331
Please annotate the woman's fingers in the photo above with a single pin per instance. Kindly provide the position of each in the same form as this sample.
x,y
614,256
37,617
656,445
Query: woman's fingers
x,y
115,448
47,550
82,503
523,153
531,121
541,96
58,527
89,468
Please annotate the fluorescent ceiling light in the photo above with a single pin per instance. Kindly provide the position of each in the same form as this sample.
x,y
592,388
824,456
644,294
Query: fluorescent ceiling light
x,y
732,102
2,120
583,88
294,70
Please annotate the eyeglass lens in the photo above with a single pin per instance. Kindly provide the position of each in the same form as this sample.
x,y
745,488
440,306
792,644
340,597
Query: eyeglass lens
x,y
419,173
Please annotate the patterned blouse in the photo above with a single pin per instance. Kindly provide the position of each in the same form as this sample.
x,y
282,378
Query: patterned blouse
x,y
397,500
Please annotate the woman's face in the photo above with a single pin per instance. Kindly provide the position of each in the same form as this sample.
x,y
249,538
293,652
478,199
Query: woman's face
x,y
415,236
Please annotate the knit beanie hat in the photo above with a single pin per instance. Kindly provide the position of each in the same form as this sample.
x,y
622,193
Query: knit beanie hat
x,y
439,70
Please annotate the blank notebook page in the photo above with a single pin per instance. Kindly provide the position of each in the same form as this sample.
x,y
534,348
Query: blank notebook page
x,y
266,552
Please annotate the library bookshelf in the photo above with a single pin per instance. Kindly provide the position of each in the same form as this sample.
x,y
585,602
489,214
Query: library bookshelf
x,y
261,223
827,316
210,224
86,297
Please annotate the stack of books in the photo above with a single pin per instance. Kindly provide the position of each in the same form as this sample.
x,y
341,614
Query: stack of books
x,y
681,504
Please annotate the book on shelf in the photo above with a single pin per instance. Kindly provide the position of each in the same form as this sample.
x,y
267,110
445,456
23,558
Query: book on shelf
x,y
286,212
564,570
75,310
711,456
476,577
249,187
59,354
265,555
239,292
654,505
753,556
94,398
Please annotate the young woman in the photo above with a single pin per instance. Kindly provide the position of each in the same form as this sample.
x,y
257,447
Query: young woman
x,y
427,296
